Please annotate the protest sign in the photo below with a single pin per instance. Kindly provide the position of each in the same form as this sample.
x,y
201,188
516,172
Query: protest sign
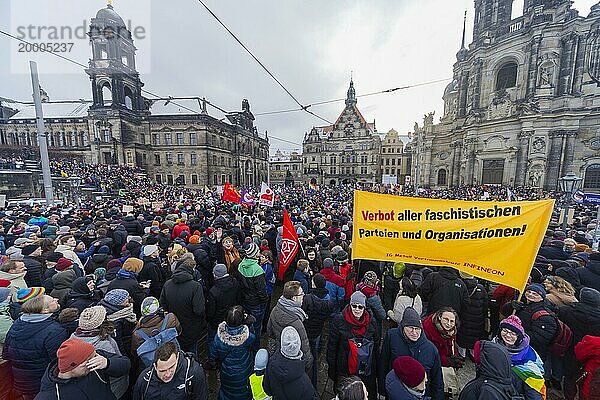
x,y
127,208
497,241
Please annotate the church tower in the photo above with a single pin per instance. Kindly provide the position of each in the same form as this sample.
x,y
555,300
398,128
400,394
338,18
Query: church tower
x,y
115,81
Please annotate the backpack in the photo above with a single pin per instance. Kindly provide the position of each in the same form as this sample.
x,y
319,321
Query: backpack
x,y
563,337
360,356
146,350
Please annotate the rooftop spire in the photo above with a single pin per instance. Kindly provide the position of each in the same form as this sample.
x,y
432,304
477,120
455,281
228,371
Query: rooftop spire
x,y
464,30
351,96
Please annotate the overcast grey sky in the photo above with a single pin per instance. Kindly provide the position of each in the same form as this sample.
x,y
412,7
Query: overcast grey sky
x,y
310,45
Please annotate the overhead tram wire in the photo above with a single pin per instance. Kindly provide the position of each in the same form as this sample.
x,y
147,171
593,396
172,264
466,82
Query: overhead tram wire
x,y
302,107
319,103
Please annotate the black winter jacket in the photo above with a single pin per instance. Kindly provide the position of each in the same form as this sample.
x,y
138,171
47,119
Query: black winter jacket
x,y
338,347
33,277
97,261
132,226
583,319
286,379
493,380
472,316
184,297
137,293
541,331
318,306
152,272
188,383
443,289
94,386
588,276
224,294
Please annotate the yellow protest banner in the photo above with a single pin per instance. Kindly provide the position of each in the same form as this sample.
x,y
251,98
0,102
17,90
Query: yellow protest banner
x,y
496,241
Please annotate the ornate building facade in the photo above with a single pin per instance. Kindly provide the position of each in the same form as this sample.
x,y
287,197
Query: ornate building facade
x,y
523,108
346,152
286,168
121,126
395,161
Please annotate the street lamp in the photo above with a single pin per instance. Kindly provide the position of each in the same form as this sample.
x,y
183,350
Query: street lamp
x,y
568,184
74,183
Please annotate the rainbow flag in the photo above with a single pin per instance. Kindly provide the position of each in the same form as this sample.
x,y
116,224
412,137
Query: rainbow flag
x,y
313,186
530,368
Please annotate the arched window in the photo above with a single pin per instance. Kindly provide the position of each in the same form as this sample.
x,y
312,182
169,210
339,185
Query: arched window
x,y
441,178
507,76
128,98
106,94
592,177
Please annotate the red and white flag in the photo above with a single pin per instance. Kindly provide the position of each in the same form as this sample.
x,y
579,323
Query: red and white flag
x,y
289,245
266,197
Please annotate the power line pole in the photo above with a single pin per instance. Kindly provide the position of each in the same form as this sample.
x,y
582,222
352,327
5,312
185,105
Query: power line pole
x,y
39,117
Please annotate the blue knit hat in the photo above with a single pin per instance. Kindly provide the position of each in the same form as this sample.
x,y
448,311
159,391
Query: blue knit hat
x,y
261,359
116,297
539,289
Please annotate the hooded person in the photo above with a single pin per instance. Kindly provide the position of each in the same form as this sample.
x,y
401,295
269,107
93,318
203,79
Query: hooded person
x,y
62,282
93,328
51,260
285,376
82,372
588,353
184,296
410,340
493,374
99,260
407,380
31,254
83,294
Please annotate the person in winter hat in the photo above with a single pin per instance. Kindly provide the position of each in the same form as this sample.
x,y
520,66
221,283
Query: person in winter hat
x,y
353,324
407,380
285,376
150,323
526,365
96,330
254,288
370,288
256,379
81,371
119,311
409,340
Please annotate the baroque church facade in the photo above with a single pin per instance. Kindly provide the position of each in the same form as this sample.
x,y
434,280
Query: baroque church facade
x,y
345,152
121,126
523,108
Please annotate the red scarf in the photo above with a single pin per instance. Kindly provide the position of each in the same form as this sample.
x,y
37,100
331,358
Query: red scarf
x,y
357,326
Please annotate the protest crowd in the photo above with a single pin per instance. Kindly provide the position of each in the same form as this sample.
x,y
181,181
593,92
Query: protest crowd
x,y
122,300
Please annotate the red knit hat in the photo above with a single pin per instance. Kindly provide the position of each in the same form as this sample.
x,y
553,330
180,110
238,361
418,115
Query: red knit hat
x,y
194,239
163,227
72,353
63,264
409,371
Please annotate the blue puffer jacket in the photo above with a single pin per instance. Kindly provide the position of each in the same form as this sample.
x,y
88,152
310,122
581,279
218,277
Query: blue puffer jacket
x,y
231,347
30,346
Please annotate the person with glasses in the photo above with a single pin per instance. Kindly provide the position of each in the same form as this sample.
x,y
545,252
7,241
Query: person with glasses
x,y
288,312
353,344
526,365
409,340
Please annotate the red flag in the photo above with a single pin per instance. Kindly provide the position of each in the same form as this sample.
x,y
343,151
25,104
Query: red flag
x,y
289,245
230,193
